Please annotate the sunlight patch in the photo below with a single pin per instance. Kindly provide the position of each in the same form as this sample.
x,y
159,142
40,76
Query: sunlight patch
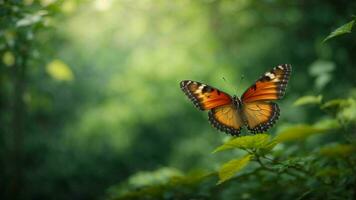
x,y
60,71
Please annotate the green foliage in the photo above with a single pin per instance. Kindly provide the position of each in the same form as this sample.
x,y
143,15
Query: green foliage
x,y
259,141
322,70
229,169
338,150
175,187
346,28
149,178
344,109
335,104
91,108
32,19
298,132
308,100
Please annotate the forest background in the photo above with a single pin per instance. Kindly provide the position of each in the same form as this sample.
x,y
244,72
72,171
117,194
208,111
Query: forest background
x,y
90,104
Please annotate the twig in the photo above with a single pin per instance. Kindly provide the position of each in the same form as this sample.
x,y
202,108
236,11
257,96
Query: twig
x,y
295,167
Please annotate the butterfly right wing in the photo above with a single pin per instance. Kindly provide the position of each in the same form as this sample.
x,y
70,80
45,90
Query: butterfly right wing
x,y
270,86
258,111
260,116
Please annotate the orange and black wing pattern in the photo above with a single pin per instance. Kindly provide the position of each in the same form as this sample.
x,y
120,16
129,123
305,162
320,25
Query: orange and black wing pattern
x,y
223,114
255,110
271,86
203,96
259,113
260,116
227,119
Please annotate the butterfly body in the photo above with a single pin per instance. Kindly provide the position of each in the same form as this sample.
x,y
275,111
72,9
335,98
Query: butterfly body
x,y
254,109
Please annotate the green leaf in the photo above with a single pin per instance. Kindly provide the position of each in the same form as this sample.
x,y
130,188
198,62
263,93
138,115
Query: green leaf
x,y
322,80
268,147
345,109
346,28
308,100
321,67
247,142
335,103
229,169
327,124
298,132
348,113
338,150
322,71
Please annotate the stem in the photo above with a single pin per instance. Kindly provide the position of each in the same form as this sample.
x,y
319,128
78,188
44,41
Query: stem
x,y
295,167
273,161
258,159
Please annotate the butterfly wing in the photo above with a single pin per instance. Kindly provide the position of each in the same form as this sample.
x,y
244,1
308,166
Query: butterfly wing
x,y
258,112
203,96
260,116
226,118
223,114
270,86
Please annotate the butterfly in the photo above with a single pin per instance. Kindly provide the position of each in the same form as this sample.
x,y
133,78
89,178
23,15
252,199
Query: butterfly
x,y
254,109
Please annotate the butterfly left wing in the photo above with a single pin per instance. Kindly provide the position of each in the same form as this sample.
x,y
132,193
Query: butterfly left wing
x,y
203,96
258,112
227,119
223,114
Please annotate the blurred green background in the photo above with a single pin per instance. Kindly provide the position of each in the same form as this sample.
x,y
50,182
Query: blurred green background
x,y
91,106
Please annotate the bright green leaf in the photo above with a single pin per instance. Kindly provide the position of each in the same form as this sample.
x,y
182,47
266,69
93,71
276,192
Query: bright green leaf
x,y
229,169
246,142
59,71
346,28
308,100
298,132
268,147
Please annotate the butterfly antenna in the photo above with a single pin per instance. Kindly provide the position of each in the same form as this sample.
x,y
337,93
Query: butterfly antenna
x,y
226,83
240,81
242,77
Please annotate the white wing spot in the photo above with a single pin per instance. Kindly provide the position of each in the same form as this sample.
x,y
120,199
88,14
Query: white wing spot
x,y
200,88
270,75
